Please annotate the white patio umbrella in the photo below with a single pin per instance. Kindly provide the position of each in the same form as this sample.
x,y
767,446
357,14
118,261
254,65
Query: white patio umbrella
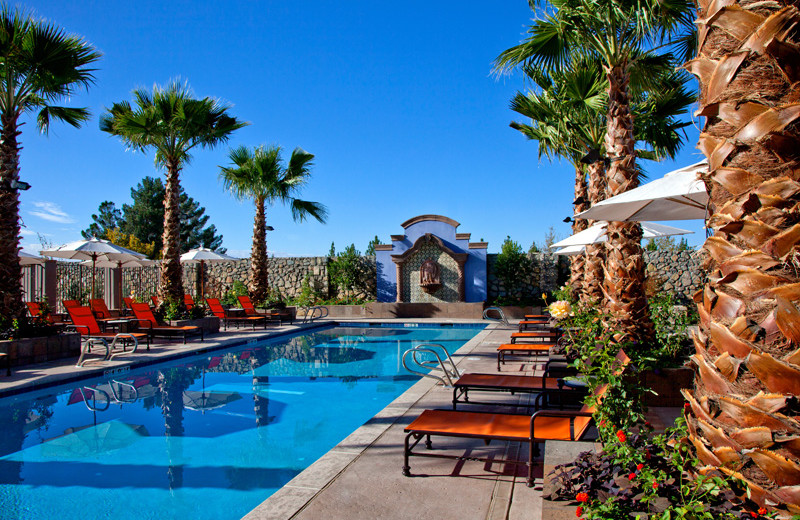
x,y
678,195
106,262
29,259
597,234
570,250
93,249
202,255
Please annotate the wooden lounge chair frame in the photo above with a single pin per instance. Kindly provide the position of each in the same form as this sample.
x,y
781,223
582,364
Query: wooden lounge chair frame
x,y
519,349
219,311
556,424
537,336
545,385
148,323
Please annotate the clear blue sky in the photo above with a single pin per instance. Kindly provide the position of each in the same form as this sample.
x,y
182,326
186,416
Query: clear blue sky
x,y
397,102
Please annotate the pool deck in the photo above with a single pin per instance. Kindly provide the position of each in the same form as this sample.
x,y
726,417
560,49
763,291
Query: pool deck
x,y
361,477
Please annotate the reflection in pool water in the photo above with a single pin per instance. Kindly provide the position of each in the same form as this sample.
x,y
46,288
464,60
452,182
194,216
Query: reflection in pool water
x,y
210,437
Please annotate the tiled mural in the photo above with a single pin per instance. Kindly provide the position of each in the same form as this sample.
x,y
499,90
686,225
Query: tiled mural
x,y
448,273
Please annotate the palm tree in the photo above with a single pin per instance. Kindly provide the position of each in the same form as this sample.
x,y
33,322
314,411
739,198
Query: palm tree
x,y
172,122
744,407
260,175
616,32
41,64
569,120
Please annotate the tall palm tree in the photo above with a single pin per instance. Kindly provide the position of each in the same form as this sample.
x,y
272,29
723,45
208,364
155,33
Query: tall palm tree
x,y
616,31
260,175
39,65
568,115
173,122
744,413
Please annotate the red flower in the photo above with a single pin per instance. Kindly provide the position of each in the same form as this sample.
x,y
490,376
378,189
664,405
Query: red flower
x,y
602,423
647,423
582,497
687,406
639,467
621,436
578,511
655,485
632,476
762,510
647,454
753,514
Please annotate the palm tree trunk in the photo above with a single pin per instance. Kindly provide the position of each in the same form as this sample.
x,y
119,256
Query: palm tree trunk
x,y
624,270
595,254
743,409
577,262
259,290
171,288
10,272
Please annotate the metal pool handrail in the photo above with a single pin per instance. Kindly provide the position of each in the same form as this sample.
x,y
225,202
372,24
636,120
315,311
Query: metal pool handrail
x,y
439,364
498,310
311,313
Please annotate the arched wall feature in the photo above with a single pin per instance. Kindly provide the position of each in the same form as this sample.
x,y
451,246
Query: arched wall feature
x,y
450,263
466,281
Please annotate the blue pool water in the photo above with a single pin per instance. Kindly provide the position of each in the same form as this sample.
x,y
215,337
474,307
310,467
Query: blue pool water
x,y
205,437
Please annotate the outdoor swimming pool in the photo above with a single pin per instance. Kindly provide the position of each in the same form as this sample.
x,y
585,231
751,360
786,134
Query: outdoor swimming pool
x,y
204,437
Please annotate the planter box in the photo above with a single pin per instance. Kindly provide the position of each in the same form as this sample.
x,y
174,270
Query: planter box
x,y
667,384
39,350
209,324
462,310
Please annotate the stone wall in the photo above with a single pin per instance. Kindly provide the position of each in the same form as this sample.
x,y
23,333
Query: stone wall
x,y
549,273
678,272
285,275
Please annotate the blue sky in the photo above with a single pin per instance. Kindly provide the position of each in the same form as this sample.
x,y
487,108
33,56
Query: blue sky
x,y
397,102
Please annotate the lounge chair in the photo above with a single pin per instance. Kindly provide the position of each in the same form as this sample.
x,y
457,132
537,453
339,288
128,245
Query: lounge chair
x,y
154,299
544,385
35,310
188,301
100,309
544,425
219,311
539,336
70,303
84,322
250,310
148,322
520,349
533,324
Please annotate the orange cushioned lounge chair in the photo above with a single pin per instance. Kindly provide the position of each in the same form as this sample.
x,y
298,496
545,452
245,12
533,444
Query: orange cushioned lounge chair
x,y
544,425
35,310
84,322
514,384
537,324
149,323
538,336
219,311
250,310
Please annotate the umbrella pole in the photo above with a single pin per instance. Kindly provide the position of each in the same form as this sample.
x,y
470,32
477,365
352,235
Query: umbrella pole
x,y
202,281
94,259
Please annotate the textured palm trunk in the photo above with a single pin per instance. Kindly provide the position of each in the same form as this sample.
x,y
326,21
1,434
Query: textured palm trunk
x,y
172,409
744,411
578,262
171,288
10,272
624,269
595,254
259,288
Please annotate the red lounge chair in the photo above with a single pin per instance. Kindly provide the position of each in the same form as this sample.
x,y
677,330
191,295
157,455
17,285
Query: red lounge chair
x,y
149,323
84,322
542,385
543,425
35,310
188,301
100,309
250,310
70,303
222,314
154,299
